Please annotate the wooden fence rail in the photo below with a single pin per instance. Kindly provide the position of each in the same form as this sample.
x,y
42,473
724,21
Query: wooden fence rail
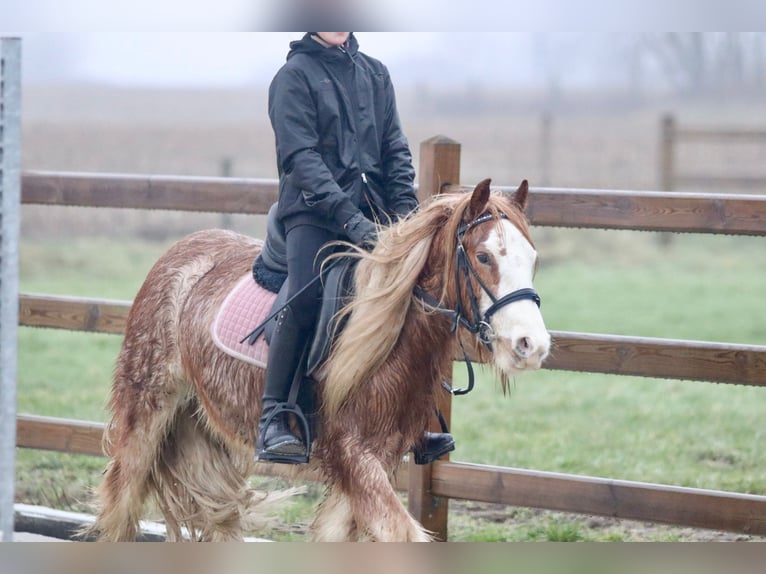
x,y
601,496
594,353
604,209
518,487
211,194
430,487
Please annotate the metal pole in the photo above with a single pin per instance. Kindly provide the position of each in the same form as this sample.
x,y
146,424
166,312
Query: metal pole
x,y
10,196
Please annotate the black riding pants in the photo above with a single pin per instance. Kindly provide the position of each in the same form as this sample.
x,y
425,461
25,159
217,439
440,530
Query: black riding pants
x,y
305,255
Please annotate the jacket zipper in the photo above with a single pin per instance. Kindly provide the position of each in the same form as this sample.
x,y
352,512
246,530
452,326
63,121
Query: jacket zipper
x,y
354,111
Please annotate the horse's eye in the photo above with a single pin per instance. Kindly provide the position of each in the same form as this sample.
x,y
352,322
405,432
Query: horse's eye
x,y
483,258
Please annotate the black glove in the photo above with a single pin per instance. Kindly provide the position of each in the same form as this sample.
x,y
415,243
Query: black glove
x,y
361,231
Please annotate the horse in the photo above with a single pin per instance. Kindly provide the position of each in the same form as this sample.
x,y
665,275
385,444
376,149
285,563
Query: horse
x,y
184,415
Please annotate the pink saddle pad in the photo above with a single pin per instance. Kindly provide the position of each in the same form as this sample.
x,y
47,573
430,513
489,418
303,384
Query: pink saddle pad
x,y
243,309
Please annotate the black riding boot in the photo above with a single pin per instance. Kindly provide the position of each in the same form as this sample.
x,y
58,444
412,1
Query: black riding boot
x,y
276,442
433,445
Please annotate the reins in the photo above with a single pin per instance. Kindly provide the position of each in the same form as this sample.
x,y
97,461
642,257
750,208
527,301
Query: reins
x,y
480,323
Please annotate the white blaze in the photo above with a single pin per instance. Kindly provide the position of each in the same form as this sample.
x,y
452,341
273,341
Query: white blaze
x,y
522,341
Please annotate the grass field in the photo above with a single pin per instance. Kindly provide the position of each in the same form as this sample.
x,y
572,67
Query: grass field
x,y
700,287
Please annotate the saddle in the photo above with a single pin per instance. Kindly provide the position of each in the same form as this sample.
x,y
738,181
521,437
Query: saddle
x,y
250,303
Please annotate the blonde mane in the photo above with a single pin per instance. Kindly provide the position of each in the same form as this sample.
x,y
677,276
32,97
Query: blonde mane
x,y
418,250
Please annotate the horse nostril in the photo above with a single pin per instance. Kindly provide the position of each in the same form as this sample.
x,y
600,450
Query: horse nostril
x,y
524,346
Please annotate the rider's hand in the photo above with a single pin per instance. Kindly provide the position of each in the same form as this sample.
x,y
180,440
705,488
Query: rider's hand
x,y
361,231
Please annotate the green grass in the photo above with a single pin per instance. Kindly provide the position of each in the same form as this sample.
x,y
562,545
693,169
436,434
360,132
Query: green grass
x,y
689,434
672,432
88,267
551,528
701,287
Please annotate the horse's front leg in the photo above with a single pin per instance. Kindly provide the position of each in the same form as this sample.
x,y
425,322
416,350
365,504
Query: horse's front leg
x,y
377,510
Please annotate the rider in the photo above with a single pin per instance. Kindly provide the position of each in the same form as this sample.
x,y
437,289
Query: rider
x,y
344,164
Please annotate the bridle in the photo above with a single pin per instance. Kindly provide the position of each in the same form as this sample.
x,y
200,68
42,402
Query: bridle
x,y
478,323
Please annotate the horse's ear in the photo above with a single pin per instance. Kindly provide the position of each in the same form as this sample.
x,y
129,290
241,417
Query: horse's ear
x,y
519,197
479,199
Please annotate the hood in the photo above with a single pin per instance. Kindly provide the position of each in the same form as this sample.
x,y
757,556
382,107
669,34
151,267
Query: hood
x,y
307,45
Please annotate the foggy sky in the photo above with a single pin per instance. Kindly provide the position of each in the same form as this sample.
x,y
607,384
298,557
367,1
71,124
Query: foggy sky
x,y
210,59
404,15
206,44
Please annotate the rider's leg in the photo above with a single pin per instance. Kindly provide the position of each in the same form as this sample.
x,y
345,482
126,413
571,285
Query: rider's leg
x,y
274,434
295,326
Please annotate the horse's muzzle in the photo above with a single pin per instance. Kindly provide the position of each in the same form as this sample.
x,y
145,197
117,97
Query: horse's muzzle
x,y
526,351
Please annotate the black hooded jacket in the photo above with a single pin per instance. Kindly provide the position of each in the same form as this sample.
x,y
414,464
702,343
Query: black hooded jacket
x,y
340,147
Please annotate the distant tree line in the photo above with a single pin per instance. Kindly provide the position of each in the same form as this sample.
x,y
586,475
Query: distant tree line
x,y
707,63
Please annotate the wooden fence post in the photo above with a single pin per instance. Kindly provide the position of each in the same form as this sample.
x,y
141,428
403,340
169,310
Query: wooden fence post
x,y
546,129
667,153
226,170
667,163
439,167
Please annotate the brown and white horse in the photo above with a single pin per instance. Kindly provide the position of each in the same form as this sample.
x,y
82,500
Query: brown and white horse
x,y
185,414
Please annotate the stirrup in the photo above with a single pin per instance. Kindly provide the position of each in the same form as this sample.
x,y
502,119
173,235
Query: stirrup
x,y
263,456
426,456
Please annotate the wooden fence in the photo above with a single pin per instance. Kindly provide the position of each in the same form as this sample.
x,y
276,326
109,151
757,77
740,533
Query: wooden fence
x,y
430,487
673,178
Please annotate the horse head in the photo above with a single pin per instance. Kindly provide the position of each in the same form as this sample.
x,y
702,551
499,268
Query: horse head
x,y
467,257
494,266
